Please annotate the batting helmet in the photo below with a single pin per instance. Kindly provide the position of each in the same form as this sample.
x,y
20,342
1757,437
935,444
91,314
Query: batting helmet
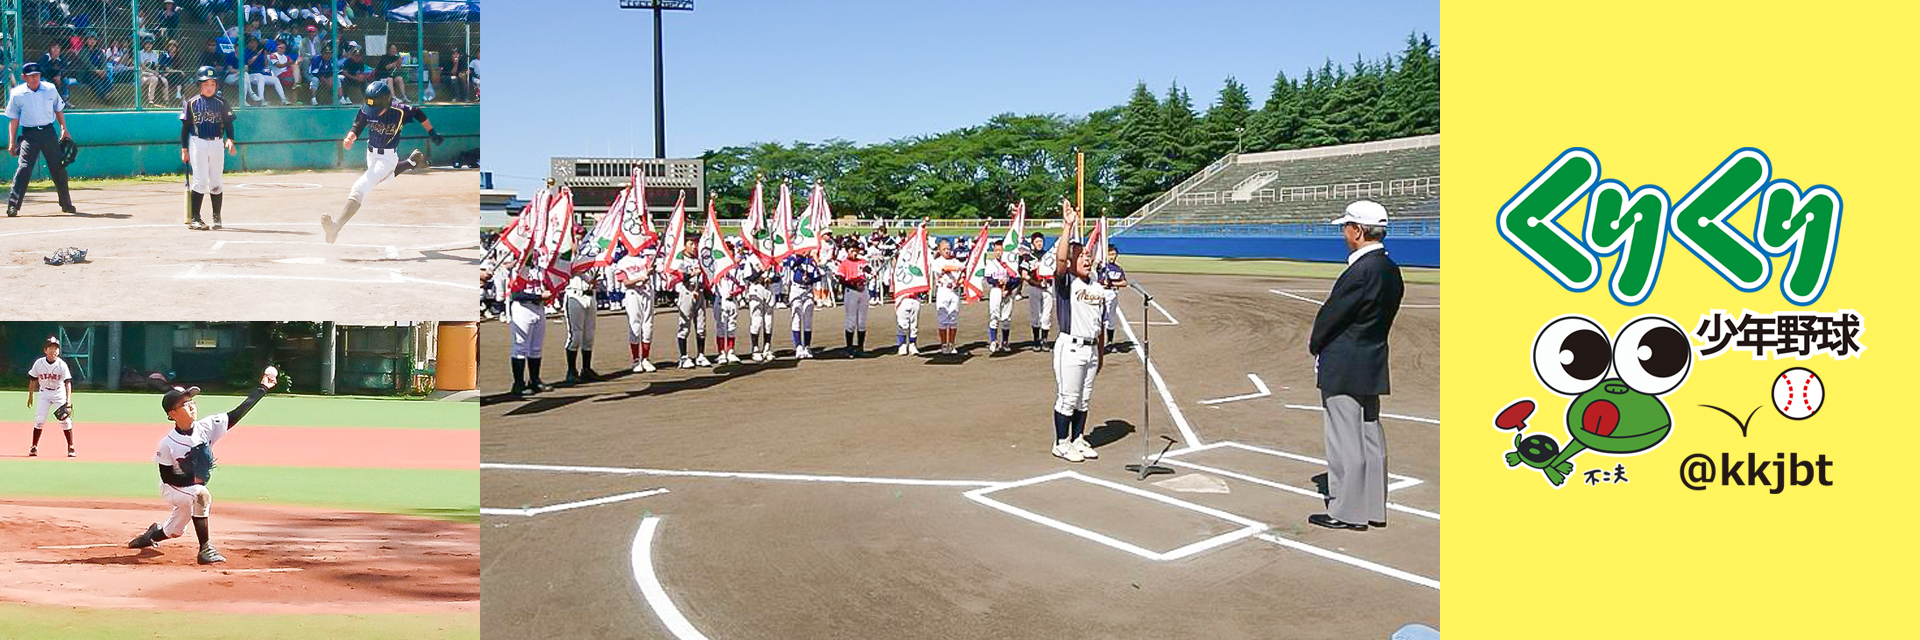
x,y
378,90
204,74
68,152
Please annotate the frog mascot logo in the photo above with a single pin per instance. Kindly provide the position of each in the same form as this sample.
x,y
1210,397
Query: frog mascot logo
x,y
1614,386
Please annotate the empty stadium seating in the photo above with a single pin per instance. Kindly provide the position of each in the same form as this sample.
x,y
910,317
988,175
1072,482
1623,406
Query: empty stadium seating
x,y
1294,193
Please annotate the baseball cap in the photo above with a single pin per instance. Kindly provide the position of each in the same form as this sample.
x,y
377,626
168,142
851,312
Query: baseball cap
x,y
175,396
30,69
312,29
50,341
1364,212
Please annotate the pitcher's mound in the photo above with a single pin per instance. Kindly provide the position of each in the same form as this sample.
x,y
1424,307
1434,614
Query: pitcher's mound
x,y
279,559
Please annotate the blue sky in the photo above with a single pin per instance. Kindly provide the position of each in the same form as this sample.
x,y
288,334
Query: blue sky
x,y
574,77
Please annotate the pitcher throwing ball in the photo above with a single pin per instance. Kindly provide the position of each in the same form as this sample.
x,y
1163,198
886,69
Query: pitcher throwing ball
x,y
206,137
385,119
185,457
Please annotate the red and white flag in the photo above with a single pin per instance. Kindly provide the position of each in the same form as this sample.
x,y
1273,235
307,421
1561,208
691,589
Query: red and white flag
x,y
716,257
559,241
673,240
754,229
913,265
783,224
975,275
807,232
518,237
1018,227
1097,242
636,223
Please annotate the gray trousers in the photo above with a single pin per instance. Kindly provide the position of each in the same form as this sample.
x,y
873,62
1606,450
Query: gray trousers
x,y
1356,458
44,143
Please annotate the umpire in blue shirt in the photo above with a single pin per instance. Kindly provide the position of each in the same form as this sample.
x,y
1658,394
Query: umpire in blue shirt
x,y
1349,346
32,109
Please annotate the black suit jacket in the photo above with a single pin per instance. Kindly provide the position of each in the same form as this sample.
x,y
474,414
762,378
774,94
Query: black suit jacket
x,y
1350,334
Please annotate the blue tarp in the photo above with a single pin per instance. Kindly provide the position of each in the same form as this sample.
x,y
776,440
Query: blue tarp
x,y
439,11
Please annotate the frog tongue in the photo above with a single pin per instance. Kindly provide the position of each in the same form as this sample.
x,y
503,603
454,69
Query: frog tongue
x,y
1600,418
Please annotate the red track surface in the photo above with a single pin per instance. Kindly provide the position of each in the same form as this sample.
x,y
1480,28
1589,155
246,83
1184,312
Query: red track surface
x,y
270,446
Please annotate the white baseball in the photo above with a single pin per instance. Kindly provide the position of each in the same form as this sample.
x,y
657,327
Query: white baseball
x,y
272,371
1798,393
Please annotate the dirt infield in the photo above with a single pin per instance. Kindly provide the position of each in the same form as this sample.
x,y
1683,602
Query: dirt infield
x,y
279,560
279,446
913,497
409,253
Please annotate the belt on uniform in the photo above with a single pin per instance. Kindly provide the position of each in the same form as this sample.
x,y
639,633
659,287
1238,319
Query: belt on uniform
x,y
377,151
207,138
44,126
1076,340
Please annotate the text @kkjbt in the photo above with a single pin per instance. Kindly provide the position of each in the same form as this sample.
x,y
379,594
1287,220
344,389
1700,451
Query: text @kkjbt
x,y
1698,471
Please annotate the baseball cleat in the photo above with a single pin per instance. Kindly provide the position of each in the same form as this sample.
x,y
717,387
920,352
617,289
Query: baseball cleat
x,y
69,209
1086,450
686,362
71,453
901,351
647,366
33,451
417,159
13,211
702,361
640,367
146,538
208,555
912,349
326,224
196,225
1065,450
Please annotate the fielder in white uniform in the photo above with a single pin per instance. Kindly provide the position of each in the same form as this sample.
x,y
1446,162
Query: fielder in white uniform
x,y
1078,353
383,120
206,137
639,276
727,290
579,307
690,300
803,276
526,315
946,296
1003,284
50,390
185,459
1036,267
761,280
906,317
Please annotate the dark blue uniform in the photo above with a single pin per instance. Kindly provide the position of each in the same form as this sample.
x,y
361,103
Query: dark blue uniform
x,y
206,118
384,125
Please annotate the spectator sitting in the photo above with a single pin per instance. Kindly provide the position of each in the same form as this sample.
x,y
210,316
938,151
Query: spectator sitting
x,y
151,81
167,22
392,67
354,76
92,68
320,76
258,76
453,74
122,65
53,67
473,75
281,68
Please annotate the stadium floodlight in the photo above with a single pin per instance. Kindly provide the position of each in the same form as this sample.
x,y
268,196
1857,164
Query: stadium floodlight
x,y
659,83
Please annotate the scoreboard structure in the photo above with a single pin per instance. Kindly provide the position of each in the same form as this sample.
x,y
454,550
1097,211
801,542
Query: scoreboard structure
x,y
596,181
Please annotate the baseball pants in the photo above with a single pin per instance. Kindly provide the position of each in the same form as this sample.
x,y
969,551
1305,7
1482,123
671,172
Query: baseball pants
x,y
760,311
45,403
856,302
527,321
208,159
906,315
579,312
693,323
188,503
639,305
802,303
999,309
946,310
1039,307
380,164
1075,361
39,142
1356,458
726,316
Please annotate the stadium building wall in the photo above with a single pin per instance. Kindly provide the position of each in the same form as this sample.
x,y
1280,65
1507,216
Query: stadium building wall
x,y
1409,252
130,143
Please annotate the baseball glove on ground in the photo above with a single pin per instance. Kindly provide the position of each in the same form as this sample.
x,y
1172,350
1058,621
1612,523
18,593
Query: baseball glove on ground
x,y
65,411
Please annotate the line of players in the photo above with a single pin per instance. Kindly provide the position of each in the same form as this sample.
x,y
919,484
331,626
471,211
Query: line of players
x,y
802,284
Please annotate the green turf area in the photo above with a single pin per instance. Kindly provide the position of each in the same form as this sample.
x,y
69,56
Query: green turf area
x,y
447,494
1278,268
68,623
272,411
40,182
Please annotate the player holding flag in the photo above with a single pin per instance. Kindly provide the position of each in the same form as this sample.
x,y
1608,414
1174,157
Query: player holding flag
x,y
718,259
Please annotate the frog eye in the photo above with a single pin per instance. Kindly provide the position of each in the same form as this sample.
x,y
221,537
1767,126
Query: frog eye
x,y
1652,355
1571,355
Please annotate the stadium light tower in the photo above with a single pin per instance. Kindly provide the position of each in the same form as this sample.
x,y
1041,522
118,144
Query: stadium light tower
x,y
659,83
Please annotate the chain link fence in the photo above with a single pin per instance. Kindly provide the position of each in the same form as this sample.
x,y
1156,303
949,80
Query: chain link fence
x,y
142,54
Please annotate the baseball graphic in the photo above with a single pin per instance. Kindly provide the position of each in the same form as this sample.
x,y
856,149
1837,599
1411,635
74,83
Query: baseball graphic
x,y
1798,393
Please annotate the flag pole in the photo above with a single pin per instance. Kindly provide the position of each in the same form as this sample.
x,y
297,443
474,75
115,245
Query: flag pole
x,y
1079,188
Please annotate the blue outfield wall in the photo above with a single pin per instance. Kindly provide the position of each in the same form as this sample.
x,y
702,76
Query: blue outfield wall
x,y
1411,252
130,143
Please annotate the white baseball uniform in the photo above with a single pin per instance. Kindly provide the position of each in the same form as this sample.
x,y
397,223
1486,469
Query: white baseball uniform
x,y
1000,298
192,500
946,296
759,302
579,310
640,288
726,303
1076,358
1040,299
50,389
687,299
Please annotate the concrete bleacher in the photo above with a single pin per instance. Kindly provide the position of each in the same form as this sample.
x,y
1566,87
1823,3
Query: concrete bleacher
x,y
1295,192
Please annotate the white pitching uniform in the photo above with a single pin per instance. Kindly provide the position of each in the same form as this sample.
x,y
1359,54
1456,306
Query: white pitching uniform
x,y
50,380
188,499
1076,358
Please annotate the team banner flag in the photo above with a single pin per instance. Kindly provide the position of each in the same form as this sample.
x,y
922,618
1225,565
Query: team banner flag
x,y
559,243
1097,242
783,224
600,246
975,282
1018,227
823,215
759,237
806,236
675,237
716,258
635,228
518,237
912,265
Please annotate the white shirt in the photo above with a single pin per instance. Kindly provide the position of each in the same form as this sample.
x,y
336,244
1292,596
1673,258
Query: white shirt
x,y
175,444
53,376
34,108
1364,251
473,69
638,271
1086,307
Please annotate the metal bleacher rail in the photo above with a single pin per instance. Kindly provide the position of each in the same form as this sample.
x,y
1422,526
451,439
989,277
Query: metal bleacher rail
x,y
1288,193
141,54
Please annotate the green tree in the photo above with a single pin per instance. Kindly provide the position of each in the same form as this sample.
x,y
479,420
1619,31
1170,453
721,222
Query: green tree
x,y
1226,121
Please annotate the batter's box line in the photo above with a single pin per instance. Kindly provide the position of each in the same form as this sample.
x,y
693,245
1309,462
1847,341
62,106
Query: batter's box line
x,y
116,227
392,252
1399,481
1248,528
534,511
393,277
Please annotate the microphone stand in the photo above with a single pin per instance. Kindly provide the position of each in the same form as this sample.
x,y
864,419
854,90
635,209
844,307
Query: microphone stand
x,y
1149,464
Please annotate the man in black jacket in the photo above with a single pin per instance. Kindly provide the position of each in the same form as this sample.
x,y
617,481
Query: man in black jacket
x,y
1349,346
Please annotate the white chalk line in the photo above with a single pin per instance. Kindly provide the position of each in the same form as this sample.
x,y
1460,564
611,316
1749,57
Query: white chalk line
x,y
741,475
1396,416
1351,560
1307,299
390,251
1248,526
10,234
534,511
267,570
651,591
1258,384
1399,481
1179,419
195,272
82,546
1171,321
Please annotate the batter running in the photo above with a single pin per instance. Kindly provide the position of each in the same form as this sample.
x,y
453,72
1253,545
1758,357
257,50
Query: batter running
x,y
185,458
385,119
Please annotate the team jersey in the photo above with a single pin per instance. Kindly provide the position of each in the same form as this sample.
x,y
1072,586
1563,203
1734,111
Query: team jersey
x,y
638,271
176,445
689,281
1111,273
1001,275
50,376
384,124
853,273
947,281
208,117
1082,306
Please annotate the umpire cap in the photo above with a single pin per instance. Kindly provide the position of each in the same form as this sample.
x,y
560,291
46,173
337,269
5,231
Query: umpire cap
x,y
30,69
175,396
204,74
